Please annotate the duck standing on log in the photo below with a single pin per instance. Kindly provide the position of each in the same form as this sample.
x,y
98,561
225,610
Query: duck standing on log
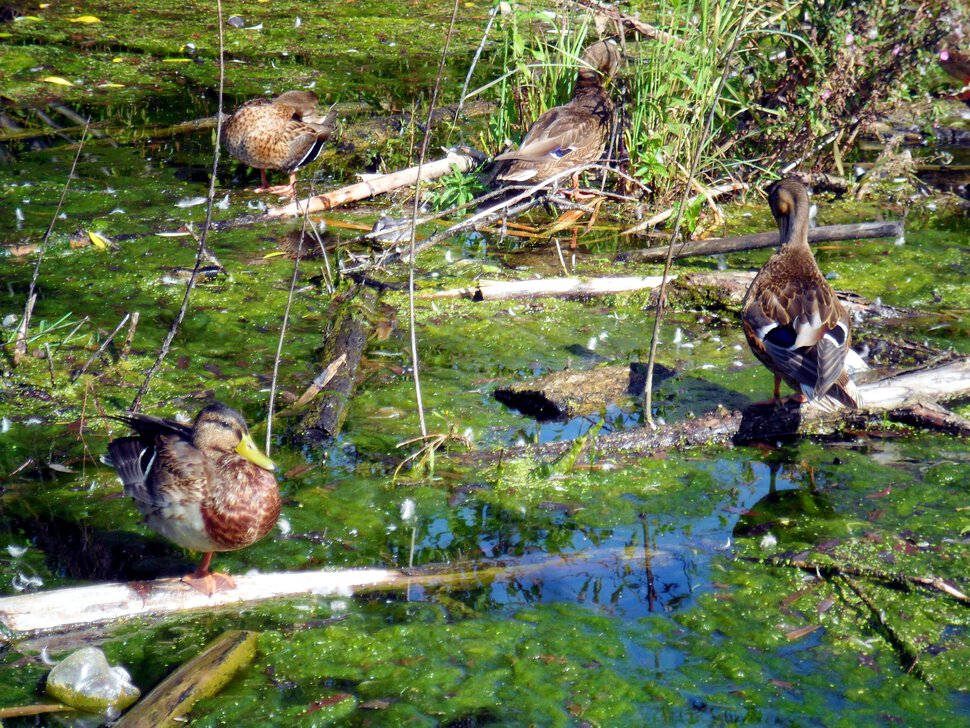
x,y
791,317
284,133
206,487
570,135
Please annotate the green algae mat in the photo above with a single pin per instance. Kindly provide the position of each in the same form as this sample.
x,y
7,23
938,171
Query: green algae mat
x,y
771,585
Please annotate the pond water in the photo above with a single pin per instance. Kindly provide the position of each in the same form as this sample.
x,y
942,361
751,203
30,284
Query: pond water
x,y
636,589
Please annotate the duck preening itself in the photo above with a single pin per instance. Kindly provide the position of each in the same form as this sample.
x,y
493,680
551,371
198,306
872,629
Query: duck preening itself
x,y
206,487
570,135
791,317
284,133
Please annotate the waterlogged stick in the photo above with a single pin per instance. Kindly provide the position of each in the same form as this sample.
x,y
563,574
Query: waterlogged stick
x,y
201,677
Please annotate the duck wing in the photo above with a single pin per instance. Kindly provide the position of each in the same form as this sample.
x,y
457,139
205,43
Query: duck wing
x,y
558,133
798,327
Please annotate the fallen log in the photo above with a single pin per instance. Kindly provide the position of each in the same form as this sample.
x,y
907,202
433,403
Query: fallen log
x,y
62,610
827,233
345,338
373,187
565,287
767,423
201,677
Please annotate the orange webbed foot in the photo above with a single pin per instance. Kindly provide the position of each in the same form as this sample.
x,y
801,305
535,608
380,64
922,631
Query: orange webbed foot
x,y
210,583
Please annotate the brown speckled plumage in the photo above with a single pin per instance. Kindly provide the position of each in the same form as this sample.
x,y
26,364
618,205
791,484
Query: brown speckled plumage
x,y
283,133
792,319
569,135
205,487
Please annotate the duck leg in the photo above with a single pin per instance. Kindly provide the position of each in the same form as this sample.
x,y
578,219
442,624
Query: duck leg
x,y
288,189
208,582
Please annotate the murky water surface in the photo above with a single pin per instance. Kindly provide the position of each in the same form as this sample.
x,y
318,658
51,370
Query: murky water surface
x,y
635,590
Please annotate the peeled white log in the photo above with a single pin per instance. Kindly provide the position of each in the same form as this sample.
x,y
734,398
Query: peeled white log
x,y
375,186
62,608
495,290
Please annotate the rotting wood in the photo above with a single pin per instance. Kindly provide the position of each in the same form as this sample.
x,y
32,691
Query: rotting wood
x,y
61,610
827,233
463,162
574,392
346,336
537,288
766,423
927,415
201,677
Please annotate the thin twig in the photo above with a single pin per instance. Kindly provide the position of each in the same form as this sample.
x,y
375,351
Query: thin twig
x,y
695,162
200,252
100,351
478,54
279,344
73,331
126,347
414,218
21,346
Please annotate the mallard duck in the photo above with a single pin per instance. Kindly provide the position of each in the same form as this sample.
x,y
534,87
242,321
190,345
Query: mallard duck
x,y
791,317
206,487
570,135
283,133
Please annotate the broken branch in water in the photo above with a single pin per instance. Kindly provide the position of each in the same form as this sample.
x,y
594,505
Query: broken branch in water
x,y
201,677
344,341
715,246
895,579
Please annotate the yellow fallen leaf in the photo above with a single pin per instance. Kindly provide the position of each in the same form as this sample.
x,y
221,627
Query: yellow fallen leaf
x,y
119,59
99,241
274,254
44,5
85,19
176,60
57,80
31,18
6,35
111,85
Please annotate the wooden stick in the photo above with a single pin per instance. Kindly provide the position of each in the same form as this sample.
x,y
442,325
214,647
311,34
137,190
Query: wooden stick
x,y
715,246
711,193
19,711
377,186
61,610
565,287
104,345
201,677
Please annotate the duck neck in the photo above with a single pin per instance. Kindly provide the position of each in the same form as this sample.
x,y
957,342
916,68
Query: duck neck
x,y
794,229
587,80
